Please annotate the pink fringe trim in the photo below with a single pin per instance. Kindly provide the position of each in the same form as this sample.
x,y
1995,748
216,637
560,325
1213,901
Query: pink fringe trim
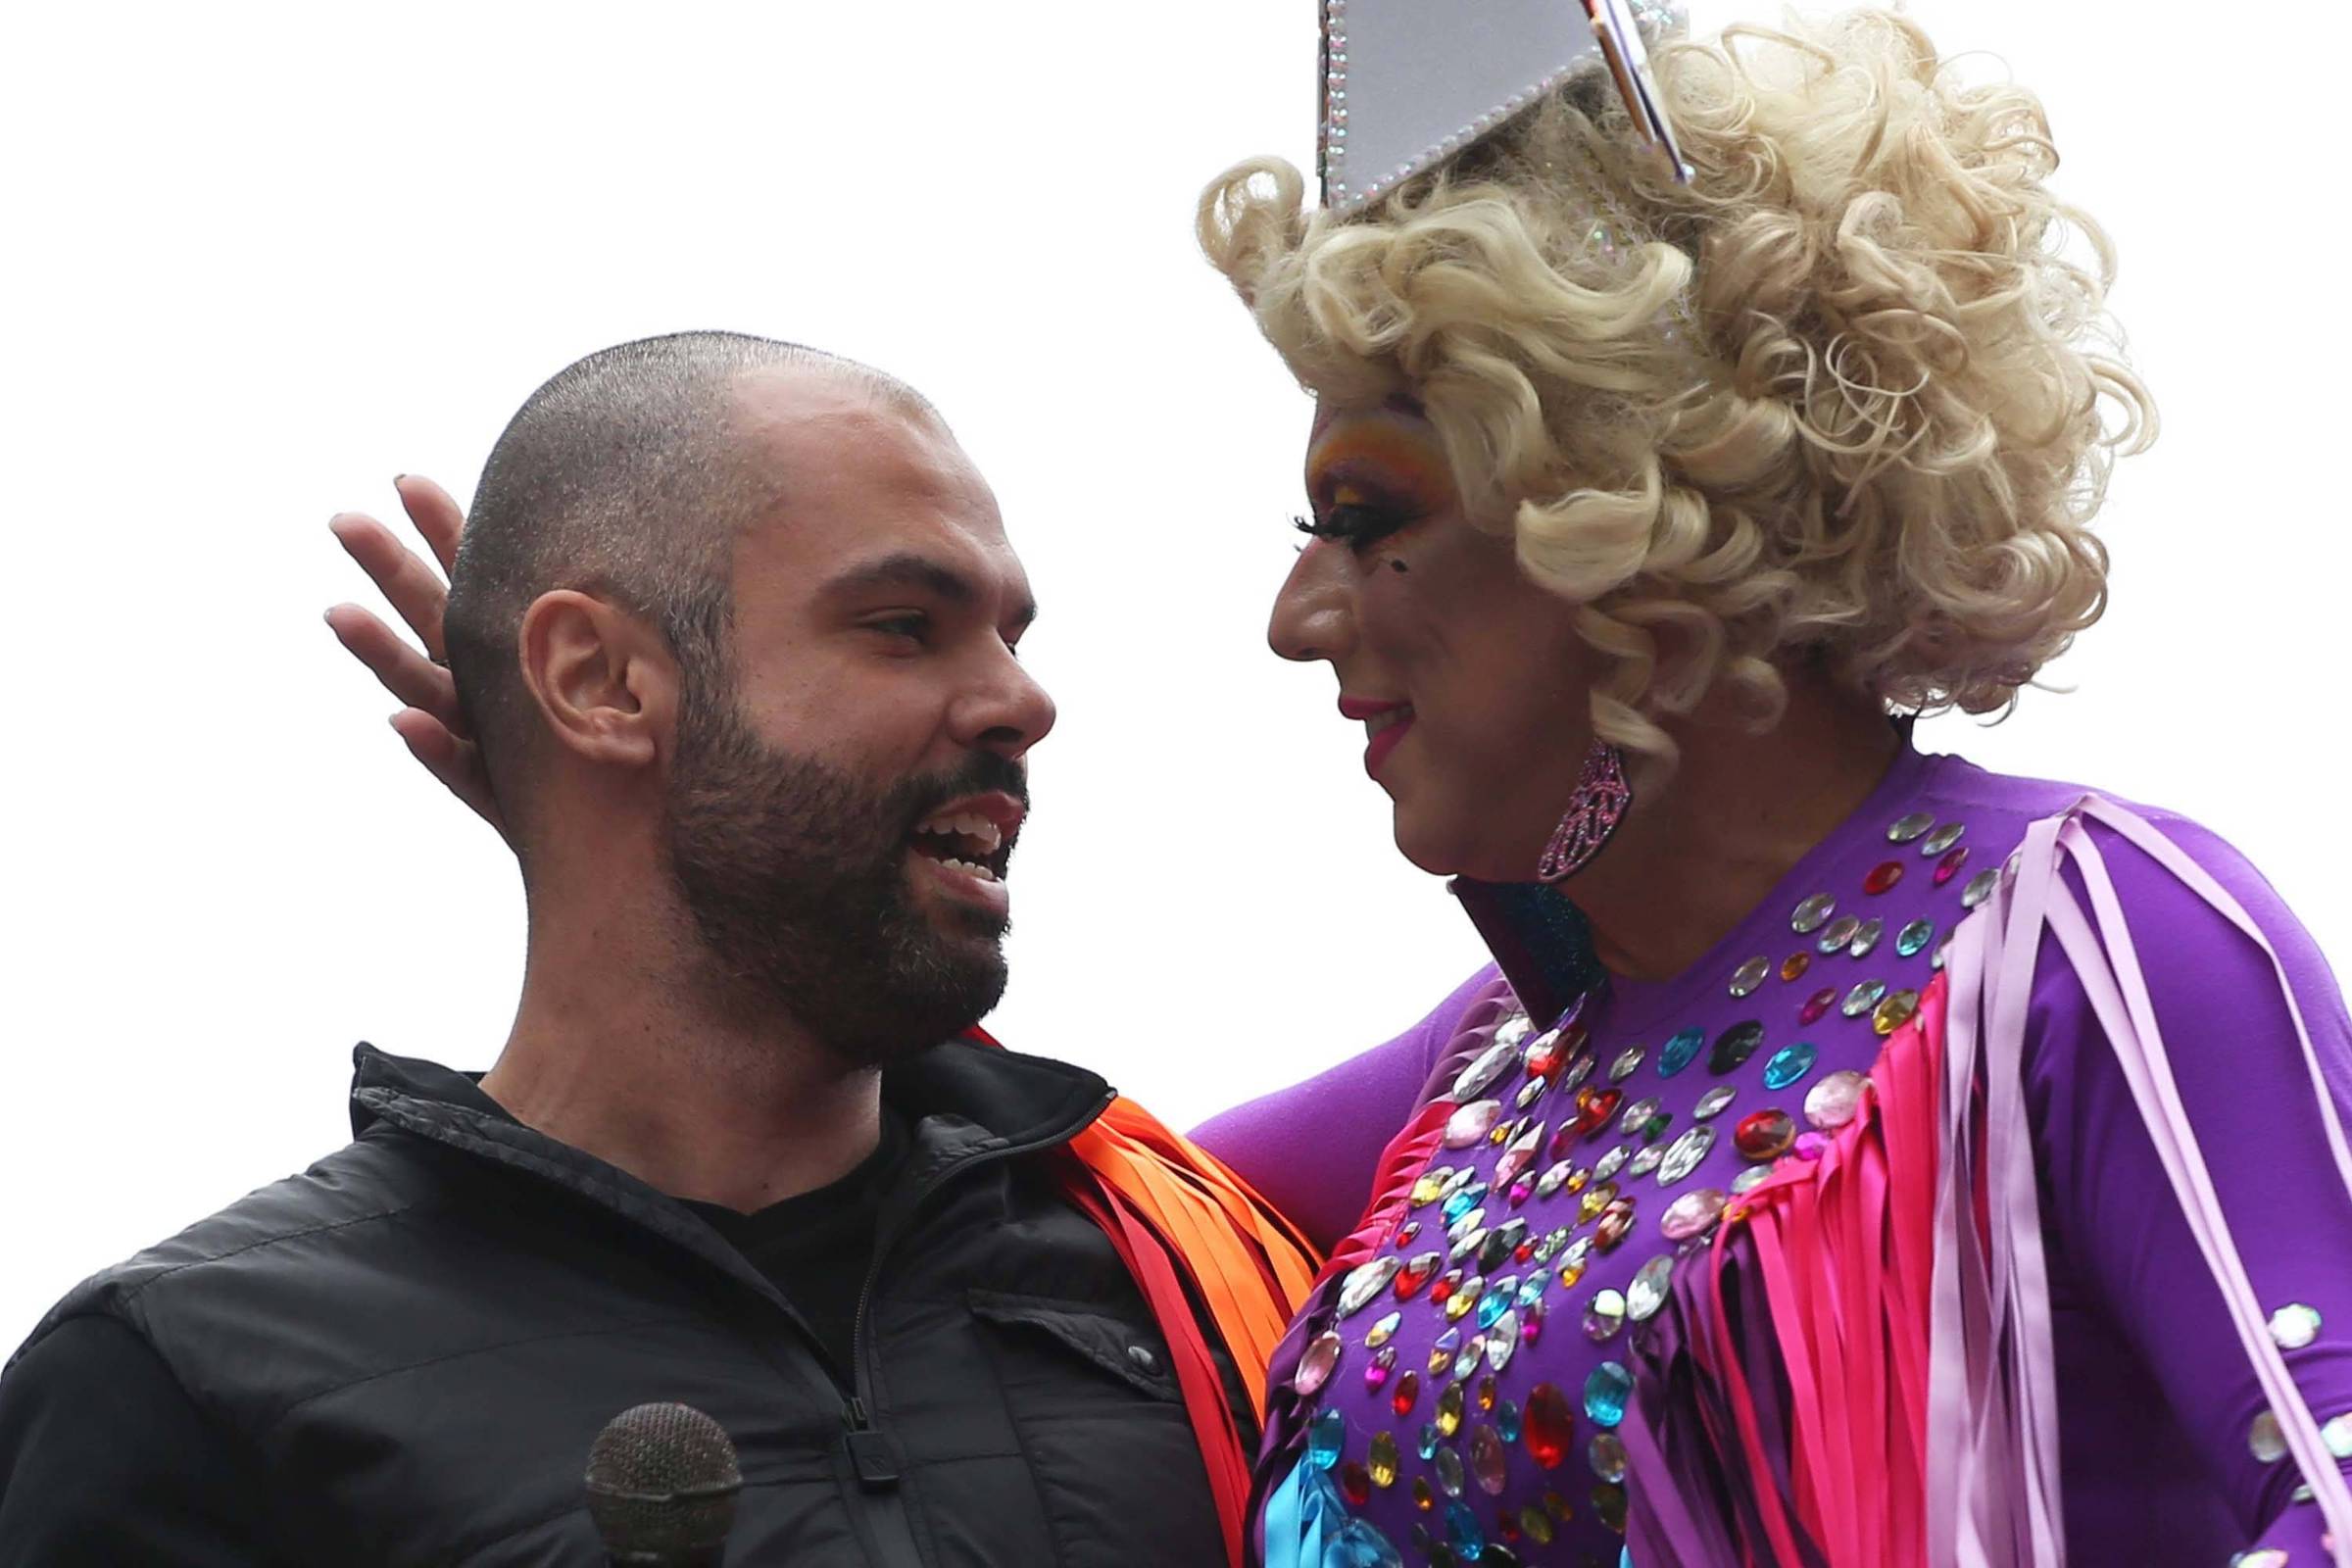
x,y
1904,1283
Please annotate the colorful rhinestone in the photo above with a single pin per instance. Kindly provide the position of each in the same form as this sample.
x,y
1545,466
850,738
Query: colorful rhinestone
x,y
1594,1106
1472,1122
1789,1064
1735,1045
1326,1435
2295,1326
1549,1426
1463,1530
1862,998
1840,932
1486,1464
2267,1440
1545,1057
1914,938
1764,1135
1606,1394
1648,1292
1866,939
1833,1102
1679,1052
1316,1363
1894,1011
1691,1215
1749,975
1520,1154
1365,1281
1383,1462
1502,1340
1487,1067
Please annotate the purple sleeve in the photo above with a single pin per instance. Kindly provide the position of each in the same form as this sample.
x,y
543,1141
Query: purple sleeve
x,y
2119,1232
1310,1149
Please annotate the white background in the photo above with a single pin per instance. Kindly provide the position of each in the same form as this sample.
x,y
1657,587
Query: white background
x,y
266,257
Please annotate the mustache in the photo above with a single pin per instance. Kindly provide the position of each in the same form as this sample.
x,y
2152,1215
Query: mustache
x,y
981,773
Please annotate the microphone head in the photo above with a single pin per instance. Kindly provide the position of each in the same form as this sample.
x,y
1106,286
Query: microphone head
x,y
661,1487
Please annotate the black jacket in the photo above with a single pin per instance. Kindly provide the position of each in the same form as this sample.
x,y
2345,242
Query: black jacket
x,y
402,1354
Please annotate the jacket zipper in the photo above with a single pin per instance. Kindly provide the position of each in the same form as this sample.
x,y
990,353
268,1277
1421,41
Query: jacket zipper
x,y
868,1443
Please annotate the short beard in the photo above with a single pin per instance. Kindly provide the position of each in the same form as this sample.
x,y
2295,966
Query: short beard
x,y
795,874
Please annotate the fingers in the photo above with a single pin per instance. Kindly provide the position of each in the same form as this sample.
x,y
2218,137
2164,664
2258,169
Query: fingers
x,y
456,762
406,674
413,589
437,519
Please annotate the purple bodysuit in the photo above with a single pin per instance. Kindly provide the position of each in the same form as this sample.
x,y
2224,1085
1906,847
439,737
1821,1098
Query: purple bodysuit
x,y
1456,1447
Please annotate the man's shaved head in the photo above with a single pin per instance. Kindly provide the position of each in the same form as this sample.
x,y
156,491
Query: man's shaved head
x,y
626,476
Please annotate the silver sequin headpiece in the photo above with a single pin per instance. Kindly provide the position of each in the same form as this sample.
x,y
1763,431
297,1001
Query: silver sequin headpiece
x,y
1409,83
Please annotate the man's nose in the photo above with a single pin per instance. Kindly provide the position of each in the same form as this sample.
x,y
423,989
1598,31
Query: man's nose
x,y
1010,713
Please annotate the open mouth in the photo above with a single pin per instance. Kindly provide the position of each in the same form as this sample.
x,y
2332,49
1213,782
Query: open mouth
x,y
966,841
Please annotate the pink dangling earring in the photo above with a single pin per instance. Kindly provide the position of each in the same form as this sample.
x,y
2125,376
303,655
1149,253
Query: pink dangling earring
x,y
1593,812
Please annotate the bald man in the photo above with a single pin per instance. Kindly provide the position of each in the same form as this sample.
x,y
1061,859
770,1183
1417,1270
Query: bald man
x,y
731,645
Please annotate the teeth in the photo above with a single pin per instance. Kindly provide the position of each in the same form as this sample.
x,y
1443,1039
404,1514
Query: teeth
x,y
971,870
972,827
1380,721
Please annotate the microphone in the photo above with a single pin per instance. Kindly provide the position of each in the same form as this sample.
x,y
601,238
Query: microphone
x,y
662,1488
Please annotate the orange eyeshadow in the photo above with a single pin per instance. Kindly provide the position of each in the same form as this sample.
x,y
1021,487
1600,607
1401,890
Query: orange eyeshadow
x,y
1383,455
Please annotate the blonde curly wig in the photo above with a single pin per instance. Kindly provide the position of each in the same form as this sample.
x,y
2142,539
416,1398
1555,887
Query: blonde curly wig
x,y
1845,397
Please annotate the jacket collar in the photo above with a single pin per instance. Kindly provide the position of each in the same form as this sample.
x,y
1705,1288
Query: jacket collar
x,y
964,1101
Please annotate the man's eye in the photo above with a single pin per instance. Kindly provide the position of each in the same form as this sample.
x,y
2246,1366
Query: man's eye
x,y
915,628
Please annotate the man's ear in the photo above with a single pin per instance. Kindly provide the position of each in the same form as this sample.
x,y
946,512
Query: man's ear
x,y
604,681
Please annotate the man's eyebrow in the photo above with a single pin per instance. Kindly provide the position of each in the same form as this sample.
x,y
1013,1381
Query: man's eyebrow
x,y
906,569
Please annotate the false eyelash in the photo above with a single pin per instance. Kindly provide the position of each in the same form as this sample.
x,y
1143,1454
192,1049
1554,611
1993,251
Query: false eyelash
x,y
1357,526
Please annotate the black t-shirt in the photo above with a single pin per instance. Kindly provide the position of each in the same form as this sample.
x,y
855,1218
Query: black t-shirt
x,y
816,1247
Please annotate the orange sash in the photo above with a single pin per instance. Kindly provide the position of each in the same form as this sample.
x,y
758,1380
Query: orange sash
x,y
1200,1244
1198,1241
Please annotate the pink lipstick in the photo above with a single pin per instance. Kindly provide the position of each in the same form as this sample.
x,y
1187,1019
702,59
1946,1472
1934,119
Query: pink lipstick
x,y
1384,724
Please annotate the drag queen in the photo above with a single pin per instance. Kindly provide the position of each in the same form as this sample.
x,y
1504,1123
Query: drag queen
x,y
1852,1156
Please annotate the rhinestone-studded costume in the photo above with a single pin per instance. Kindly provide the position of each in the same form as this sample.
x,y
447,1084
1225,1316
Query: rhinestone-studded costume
x,y
1696,1257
